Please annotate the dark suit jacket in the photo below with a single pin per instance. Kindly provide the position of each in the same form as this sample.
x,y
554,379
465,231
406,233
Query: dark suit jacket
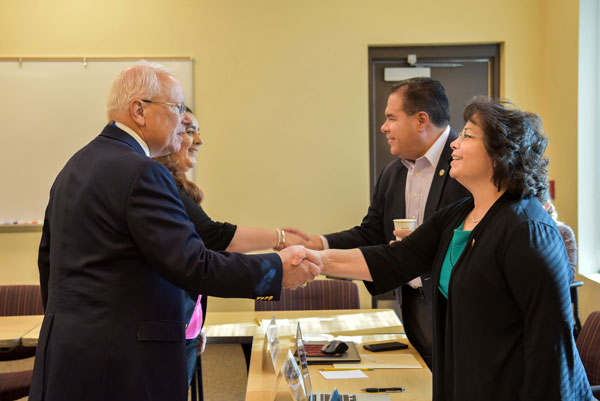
x,y
388,203
117,247
506,330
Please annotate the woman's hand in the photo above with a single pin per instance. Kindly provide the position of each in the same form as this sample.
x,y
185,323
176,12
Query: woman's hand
x,y
202,341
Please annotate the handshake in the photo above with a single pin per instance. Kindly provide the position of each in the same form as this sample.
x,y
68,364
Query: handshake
x,y
300,265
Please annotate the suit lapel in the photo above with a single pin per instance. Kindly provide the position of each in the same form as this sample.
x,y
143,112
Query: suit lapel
x,y
400,204
117,133
440,176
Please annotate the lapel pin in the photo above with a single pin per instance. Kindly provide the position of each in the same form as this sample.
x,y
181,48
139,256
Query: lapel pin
x,y
442,172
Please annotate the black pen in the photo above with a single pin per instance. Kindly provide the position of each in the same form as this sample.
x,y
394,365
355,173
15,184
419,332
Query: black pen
x,y
383,389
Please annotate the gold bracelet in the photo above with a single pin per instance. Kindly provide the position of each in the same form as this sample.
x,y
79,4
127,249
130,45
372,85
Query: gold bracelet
x,y
278,231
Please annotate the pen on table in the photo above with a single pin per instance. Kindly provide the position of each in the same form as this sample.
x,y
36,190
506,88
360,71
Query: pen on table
x,y
257,320
336,369
383,389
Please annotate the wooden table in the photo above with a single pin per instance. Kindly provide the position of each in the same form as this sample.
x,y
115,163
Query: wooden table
x,y
263,386
13,328
242,327
377,325
223,327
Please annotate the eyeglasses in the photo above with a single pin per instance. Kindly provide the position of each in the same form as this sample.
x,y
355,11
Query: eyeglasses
x,y
179,107
464,134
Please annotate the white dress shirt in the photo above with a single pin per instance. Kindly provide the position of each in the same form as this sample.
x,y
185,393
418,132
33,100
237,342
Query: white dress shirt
x,y
418,182
135,136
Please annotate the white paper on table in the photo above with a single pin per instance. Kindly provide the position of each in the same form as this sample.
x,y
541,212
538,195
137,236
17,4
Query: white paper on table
x,y
279,322
317,337
353,339
393,361
315,319
343,374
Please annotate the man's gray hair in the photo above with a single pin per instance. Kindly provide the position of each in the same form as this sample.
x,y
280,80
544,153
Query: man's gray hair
x,y
140,81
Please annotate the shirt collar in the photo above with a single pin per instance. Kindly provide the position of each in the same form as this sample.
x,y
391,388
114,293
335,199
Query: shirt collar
x,y
434,152
134,135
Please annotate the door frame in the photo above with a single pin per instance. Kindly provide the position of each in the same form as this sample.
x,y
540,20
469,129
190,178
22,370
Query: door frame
x,y
437,53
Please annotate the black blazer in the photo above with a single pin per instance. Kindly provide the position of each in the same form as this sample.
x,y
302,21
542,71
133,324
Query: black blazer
x,y
388,203
117,247
506,330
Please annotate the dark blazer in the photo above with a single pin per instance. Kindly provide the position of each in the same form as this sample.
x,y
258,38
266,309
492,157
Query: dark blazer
x,y
505,332
388,203
117,247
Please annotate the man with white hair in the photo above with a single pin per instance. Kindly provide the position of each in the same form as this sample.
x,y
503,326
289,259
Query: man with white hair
x,y
116,249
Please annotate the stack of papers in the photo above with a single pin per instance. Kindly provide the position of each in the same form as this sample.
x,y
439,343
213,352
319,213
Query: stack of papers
x,y
343,374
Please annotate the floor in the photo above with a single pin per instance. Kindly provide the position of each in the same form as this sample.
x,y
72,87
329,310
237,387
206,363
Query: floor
x,y
223,370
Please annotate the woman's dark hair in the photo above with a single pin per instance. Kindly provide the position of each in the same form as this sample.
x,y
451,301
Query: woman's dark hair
x,y
516,142
181,180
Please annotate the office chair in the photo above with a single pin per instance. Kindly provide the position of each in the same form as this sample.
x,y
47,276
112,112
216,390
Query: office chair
x,y
318,294
575,306
18,300
15,385
588,344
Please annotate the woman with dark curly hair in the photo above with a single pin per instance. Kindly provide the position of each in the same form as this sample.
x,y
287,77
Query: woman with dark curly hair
x,y
502,314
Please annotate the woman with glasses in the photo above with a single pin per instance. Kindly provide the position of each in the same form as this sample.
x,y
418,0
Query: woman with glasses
x,y
502,313
217,236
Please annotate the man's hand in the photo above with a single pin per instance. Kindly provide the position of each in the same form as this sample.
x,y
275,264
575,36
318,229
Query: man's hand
x,y
297,269
402,233
315,242
202,339
315,257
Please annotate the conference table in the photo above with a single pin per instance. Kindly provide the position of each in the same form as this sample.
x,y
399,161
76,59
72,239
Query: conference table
x,y
264,383
374,325
14,328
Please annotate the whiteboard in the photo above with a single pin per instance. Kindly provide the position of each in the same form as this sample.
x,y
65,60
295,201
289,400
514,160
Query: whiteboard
x,y
49,109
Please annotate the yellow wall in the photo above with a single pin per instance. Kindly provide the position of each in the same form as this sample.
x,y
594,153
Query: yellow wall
x,y
559,112
281,89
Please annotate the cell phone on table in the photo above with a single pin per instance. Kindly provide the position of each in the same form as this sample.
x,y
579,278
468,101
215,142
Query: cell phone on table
x,y
389,346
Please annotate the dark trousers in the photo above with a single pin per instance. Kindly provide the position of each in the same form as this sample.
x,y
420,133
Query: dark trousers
x,y
417,320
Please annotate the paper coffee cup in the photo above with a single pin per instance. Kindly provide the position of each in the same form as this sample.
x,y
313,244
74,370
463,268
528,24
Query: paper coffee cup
x,y
404,224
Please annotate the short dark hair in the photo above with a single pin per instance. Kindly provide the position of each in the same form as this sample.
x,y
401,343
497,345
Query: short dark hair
x,y
425,94
516,143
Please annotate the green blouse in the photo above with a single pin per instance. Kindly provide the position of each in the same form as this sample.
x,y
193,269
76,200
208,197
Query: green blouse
x,y
455,249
